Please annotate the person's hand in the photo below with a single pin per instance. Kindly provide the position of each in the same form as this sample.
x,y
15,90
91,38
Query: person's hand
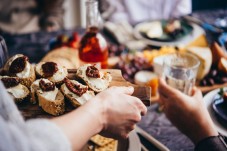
x,y
113,112
121,111
187,113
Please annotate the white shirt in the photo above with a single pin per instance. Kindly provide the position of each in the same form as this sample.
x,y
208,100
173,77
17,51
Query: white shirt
x,y
140,10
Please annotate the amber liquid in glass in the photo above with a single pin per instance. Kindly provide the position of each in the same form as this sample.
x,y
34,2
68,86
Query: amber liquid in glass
x,y
93,48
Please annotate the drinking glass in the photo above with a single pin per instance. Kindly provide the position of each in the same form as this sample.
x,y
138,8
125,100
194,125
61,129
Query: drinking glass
x,y
180,71
3,52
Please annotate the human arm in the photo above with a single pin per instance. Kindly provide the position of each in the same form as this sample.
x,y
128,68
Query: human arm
x,y
181,8
112,112
188,114
31,135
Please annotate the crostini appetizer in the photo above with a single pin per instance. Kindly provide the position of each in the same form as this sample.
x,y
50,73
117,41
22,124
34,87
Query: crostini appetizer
x,y
19,66
50,98
51,71
18,91
77,93
94,78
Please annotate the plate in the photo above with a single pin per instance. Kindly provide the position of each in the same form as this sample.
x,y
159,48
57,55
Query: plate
x,y
186,29
196,32
220,108
208,98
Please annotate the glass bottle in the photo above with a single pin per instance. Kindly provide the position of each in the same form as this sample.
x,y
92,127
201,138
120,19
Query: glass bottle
x,y
93,46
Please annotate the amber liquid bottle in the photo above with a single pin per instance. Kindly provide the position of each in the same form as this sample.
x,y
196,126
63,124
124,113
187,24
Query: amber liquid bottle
x,y
93,47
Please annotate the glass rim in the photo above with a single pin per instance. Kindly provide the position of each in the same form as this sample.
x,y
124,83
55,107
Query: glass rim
x,y
182,53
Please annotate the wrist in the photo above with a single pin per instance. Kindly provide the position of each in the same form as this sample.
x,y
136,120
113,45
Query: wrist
x,y
205,131
96,111
211,143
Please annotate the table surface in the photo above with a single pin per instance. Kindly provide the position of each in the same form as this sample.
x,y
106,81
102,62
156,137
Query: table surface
x,y
35,45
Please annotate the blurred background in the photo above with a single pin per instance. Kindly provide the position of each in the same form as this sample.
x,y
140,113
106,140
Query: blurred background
x,y
75,10
135,35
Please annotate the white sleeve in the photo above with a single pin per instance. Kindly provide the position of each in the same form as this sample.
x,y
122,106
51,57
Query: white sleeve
x,y
181,8
120,13
34,135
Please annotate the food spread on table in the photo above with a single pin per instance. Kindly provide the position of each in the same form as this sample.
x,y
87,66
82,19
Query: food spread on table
x,y
49,85
164,30
212,70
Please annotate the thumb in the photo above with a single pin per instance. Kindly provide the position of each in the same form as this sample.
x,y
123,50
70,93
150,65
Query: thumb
x,y
196,93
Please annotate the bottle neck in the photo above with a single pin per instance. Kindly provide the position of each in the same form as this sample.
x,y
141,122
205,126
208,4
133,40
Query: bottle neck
x,y
93,17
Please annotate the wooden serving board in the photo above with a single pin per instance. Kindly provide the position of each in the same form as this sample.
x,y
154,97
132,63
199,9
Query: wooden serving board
x,y
29,110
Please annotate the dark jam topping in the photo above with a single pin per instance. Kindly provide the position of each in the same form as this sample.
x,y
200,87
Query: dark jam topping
x,y
18,65
10,82
92,72
49,86
75,88
49,69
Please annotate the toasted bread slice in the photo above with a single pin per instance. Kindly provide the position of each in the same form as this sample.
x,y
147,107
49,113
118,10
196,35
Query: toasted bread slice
x,y
65,56
19,92
57,77
74,98
56,107
96,84
29,80
27,76
34,88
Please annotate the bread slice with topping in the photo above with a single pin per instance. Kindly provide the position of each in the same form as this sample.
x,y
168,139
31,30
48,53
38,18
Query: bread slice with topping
x,y
18,91
19,66
53,107
94,78
51,71
50,98
77,93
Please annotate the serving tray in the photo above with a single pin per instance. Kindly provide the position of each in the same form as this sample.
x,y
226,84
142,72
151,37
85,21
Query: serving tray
x,y
29,110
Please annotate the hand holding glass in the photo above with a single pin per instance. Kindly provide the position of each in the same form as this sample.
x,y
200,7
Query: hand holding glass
x,y
180,71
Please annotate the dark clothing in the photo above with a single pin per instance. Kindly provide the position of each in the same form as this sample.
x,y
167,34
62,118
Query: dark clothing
x,y
211,144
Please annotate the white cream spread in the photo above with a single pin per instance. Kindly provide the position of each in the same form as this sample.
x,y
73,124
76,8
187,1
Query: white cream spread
x,y
57,77
49,95
99,84
3,77
26,72
18,91
81,99
35,85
